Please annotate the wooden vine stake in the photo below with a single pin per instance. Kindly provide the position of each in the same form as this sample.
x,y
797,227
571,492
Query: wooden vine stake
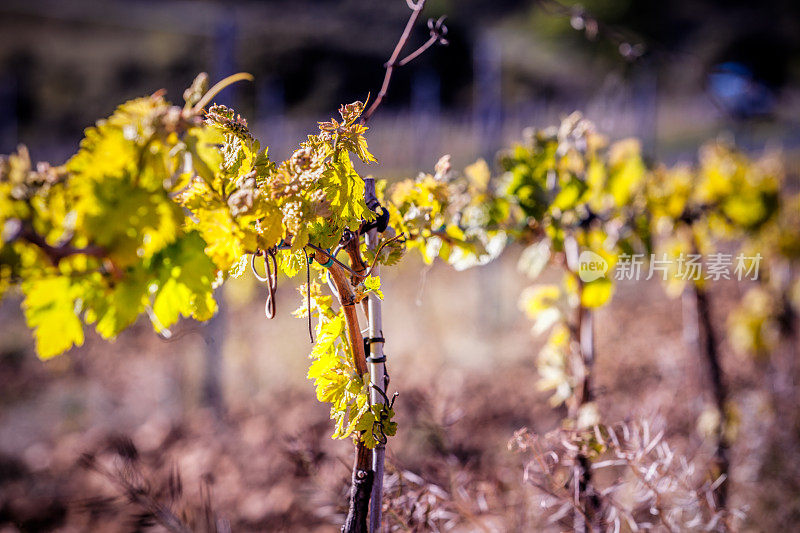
x,y
377,368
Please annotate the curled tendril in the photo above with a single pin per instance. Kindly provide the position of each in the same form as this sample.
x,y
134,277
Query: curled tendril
x,y
381,436
217,88
270,278
438,29
361,275
387,401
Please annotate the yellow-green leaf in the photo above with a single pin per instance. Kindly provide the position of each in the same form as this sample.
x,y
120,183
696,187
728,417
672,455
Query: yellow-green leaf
x,y
50,310
596,293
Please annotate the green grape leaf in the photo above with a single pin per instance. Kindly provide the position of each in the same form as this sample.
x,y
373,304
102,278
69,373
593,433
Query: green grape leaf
x,y
345,189
51,311
114,309
186,281
538,298
372,284
596,293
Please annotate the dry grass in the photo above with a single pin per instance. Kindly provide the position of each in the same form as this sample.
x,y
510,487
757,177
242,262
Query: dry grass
x,y
463,363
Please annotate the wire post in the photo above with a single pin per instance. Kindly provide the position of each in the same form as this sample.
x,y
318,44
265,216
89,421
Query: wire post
x,y
377,371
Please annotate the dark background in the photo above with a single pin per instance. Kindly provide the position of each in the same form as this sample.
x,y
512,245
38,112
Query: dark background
x,y
63,64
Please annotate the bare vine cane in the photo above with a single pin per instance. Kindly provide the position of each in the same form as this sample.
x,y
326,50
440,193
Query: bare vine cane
x,y
437,30
377,367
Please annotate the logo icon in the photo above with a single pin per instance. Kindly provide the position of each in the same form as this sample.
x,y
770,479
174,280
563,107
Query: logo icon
x,y
591,266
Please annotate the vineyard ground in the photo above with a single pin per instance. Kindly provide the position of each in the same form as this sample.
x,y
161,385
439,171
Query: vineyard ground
x,y
466,378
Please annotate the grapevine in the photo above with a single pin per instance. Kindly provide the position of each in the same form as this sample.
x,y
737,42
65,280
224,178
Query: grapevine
x,y
162,203
566,191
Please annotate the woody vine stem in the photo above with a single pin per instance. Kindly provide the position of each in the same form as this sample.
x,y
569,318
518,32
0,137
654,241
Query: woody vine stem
x,y
367,481
365,505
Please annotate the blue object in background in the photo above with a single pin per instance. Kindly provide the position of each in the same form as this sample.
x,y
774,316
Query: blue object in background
x,y
734,87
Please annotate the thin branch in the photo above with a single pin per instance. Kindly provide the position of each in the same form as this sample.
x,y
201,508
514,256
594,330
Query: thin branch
x,y
55,253
416,9
356,274
416,53
438,31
